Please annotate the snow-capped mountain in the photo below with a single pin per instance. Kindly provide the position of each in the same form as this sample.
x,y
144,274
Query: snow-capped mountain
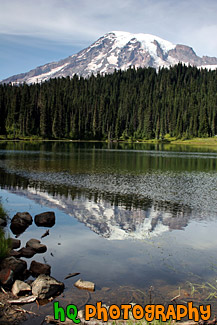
x,y
117,50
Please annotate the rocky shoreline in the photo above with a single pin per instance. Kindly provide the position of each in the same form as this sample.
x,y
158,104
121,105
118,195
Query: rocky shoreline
x,y
16,289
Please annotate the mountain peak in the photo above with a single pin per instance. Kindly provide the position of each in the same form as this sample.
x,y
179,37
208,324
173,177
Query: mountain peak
x,y
117,50
147,41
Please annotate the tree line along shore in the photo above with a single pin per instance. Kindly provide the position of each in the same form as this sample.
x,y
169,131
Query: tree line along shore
x,y
134,105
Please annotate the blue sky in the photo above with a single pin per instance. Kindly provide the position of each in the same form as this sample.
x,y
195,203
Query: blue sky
x,y
33,33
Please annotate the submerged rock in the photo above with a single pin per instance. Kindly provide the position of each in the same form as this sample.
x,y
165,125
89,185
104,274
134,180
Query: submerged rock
x,y
45,234
36,245
50,320
45,287
37,268
20,288
86,285
20,222
45,219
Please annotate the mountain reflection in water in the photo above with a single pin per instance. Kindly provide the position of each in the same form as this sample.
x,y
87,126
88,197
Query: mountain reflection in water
x,y
117,222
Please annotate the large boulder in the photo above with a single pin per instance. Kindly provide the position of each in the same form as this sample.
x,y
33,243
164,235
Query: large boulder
x,y
36,245
18,266
45,219
45,287
37,268
20,222
21,288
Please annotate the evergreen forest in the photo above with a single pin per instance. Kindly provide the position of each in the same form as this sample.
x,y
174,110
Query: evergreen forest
x,y
135,104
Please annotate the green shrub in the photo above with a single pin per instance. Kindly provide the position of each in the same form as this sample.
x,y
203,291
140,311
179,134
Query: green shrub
x,y
4,244
4,239
3,214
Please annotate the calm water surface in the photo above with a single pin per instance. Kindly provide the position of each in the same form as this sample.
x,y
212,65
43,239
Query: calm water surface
x,y
128,217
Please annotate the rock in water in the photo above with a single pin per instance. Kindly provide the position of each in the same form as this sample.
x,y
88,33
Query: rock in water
x,y
18,266
45,287
45,219
86,285
37,268
20,222
36,245
15,253
15,243
20,288
27,252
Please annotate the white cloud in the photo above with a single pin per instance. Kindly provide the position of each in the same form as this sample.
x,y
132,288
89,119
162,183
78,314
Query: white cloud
x,y
206,38
190,22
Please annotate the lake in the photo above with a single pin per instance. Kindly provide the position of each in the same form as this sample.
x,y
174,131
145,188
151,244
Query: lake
x,y
139,220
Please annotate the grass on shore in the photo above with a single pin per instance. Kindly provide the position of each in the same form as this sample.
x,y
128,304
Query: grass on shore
x,y
211,141
144,322
3,214
198,141
4,244
4,239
